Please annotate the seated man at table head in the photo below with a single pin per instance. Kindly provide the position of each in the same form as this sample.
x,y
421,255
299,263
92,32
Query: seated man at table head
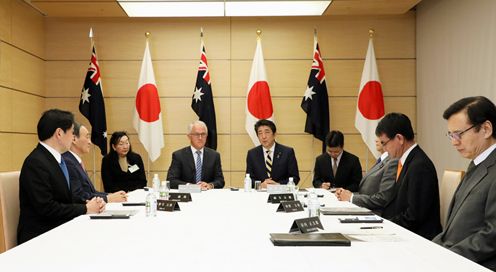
x,y
122,169
416,202
471,224
376,187
81,186
271,162
196,164
337,168
44,187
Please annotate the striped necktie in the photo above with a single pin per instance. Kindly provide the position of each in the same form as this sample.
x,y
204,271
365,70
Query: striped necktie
x,y
198,167
268,163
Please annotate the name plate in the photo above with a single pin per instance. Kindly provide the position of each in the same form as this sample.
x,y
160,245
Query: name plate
x,y
306,225
180,197
277,188
189,188
290,206
277,198
167,205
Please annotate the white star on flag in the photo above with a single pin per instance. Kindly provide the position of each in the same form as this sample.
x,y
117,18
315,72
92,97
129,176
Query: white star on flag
x,y
308,93
85,96
105,134
197,94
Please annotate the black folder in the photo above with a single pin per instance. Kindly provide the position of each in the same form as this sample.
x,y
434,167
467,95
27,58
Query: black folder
x,y
309,239
346,211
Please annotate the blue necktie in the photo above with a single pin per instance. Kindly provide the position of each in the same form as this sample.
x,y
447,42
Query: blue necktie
x,y
198,166
63,166
378,161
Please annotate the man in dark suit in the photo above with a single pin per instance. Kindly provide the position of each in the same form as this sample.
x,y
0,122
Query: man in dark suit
x,y
376,187
44,194
470,226
415,205
337,168
81,186
271,162
196,164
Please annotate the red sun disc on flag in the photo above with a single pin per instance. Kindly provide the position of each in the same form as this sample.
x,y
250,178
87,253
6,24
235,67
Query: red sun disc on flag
x,y
148,103
259,101
371,101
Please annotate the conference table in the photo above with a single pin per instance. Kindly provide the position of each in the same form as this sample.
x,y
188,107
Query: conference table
x,y
224,230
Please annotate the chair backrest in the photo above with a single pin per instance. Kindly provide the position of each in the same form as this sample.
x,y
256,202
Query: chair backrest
x,y
9,209
449,183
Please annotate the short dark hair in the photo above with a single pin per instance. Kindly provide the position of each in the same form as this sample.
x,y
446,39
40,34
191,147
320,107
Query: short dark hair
x,y
53,119
267,123
114,140
334,138
478,108
395,123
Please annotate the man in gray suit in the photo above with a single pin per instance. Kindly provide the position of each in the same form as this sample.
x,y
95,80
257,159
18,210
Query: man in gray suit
x,y
376,186
471,223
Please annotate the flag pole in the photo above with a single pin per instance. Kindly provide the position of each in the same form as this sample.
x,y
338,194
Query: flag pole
x,y
371,37
90,35
259,34
147,35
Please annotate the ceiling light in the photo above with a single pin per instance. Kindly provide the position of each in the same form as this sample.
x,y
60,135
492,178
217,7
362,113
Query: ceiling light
x,y
213,8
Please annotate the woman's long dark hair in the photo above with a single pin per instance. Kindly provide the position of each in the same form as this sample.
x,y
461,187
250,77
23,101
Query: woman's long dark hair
x,y
114,140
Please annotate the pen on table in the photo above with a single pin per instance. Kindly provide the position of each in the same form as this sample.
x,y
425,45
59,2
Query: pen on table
x,y
374,227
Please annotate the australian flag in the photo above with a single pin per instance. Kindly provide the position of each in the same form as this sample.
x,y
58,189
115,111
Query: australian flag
x,y
202,101
92,105
315,100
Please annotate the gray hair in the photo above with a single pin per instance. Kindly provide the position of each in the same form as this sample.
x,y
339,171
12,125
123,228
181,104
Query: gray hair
x,y
199,123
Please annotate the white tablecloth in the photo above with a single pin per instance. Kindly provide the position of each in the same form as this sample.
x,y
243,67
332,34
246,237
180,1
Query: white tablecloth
x,y
219,231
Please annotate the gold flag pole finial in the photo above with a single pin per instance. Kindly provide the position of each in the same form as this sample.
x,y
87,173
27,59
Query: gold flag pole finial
x,y
259,33
201,32
371,33
147,34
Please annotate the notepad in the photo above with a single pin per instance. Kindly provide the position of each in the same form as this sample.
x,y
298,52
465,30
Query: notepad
x,y
362,219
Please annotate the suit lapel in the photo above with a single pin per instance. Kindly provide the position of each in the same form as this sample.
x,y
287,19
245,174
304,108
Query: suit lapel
x,y
191,160
57,170
475,178
374,169
204,162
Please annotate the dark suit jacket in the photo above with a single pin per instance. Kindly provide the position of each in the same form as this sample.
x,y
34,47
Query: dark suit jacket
x,y
348,175
284,164
377,186
45,199
470,226
115,180
182,169
81,186
415,205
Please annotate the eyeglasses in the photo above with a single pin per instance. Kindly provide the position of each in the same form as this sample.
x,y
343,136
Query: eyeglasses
x,y
458,135
198,135
123,144
385,143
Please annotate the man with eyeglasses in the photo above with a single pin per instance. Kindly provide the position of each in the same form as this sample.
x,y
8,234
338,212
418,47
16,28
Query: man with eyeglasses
x,y
196,164
471,224
416,202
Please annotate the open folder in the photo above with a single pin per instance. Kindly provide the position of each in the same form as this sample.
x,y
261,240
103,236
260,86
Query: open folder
x,y
309,239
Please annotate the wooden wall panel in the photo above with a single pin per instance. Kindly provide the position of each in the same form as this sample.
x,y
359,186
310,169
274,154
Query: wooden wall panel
x,y
28,29
287,44
21,81
5,20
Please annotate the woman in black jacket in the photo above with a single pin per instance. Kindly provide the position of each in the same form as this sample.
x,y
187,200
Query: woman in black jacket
x,y
122,169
